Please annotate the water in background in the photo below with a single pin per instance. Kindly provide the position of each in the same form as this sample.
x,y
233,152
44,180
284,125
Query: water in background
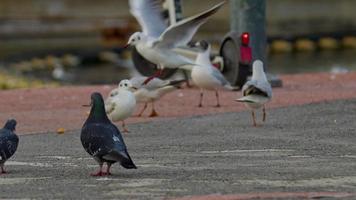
x,y
95,71
306,62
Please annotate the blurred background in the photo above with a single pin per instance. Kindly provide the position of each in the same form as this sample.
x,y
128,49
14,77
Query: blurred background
x,y
60,42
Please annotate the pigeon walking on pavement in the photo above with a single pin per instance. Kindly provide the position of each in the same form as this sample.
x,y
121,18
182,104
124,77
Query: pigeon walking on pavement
x,y
152,91
205,76
8,143
257,91
102,139
121,103
159,48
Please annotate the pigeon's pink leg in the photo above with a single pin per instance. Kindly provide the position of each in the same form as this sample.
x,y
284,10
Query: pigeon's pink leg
x,y
108,170
2,170
100,172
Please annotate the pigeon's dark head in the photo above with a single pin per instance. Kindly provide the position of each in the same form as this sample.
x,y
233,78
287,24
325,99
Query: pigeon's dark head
x,y
97,112
97,99
10,125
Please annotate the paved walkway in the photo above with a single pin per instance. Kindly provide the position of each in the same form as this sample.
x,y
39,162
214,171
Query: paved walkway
x,y
46,110
305,151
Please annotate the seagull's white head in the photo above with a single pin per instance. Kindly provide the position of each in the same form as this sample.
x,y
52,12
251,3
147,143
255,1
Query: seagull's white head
x,y
258,71
126,85
135,38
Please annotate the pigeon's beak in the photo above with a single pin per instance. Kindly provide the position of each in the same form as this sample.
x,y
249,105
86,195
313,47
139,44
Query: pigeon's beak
x,y
88,105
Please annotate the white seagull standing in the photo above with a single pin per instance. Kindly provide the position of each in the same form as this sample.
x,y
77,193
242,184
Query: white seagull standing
x,y
152,91
206,76
257,91
121,103
158,47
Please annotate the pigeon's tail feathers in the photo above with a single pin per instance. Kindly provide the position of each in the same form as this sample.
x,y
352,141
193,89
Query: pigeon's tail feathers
x,y
122,157
127,161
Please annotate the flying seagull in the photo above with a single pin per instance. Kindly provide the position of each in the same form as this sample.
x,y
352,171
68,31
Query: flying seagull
x,y
257,91
102,139
160,49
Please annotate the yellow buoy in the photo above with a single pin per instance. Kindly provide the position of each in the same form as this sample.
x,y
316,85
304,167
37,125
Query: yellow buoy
x,y
349,42
281,46
305,45
328,43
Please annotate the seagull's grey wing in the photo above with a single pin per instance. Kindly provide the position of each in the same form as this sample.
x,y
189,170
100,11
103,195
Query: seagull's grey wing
x,y
149,15
182,32
266,87
257,87
110,107
218,75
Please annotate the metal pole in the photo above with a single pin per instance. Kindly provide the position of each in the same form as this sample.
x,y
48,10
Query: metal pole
x,y
250,16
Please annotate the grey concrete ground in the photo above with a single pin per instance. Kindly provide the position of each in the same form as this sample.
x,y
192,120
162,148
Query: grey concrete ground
x,y
300,148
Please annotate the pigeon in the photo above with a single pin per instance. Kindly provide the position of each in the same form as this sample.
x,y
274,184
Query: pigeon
x,y
8,143
205,76
102,139
121,103
257,91
152,91
160,49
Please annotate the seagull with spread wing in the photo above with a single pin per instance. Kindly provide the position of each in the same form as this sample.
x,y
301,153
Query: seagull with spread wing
x,y
157,46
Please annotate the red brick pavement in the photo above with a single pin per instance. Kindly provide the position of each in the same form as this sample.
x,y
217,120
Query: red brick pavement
x,y
47,109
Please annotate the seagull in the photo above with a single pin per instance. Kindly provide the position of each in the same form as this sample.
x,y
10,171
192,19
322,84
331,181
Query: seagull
x,y
158,47
121,103
152,91
8,143
205,76
257,91
102,139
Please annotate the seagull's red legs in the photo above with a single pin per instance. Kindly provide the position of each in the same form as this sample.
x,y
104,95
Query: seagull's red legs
x,y
157,74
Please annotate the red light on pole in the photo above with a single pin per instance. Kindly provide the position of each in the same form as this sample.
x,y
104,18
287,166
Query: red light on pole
x,y
245,38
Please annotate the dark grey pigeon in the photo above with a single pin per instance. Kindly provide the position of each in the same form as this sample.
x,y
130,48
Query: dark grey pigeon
x,y
8,143
102,139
